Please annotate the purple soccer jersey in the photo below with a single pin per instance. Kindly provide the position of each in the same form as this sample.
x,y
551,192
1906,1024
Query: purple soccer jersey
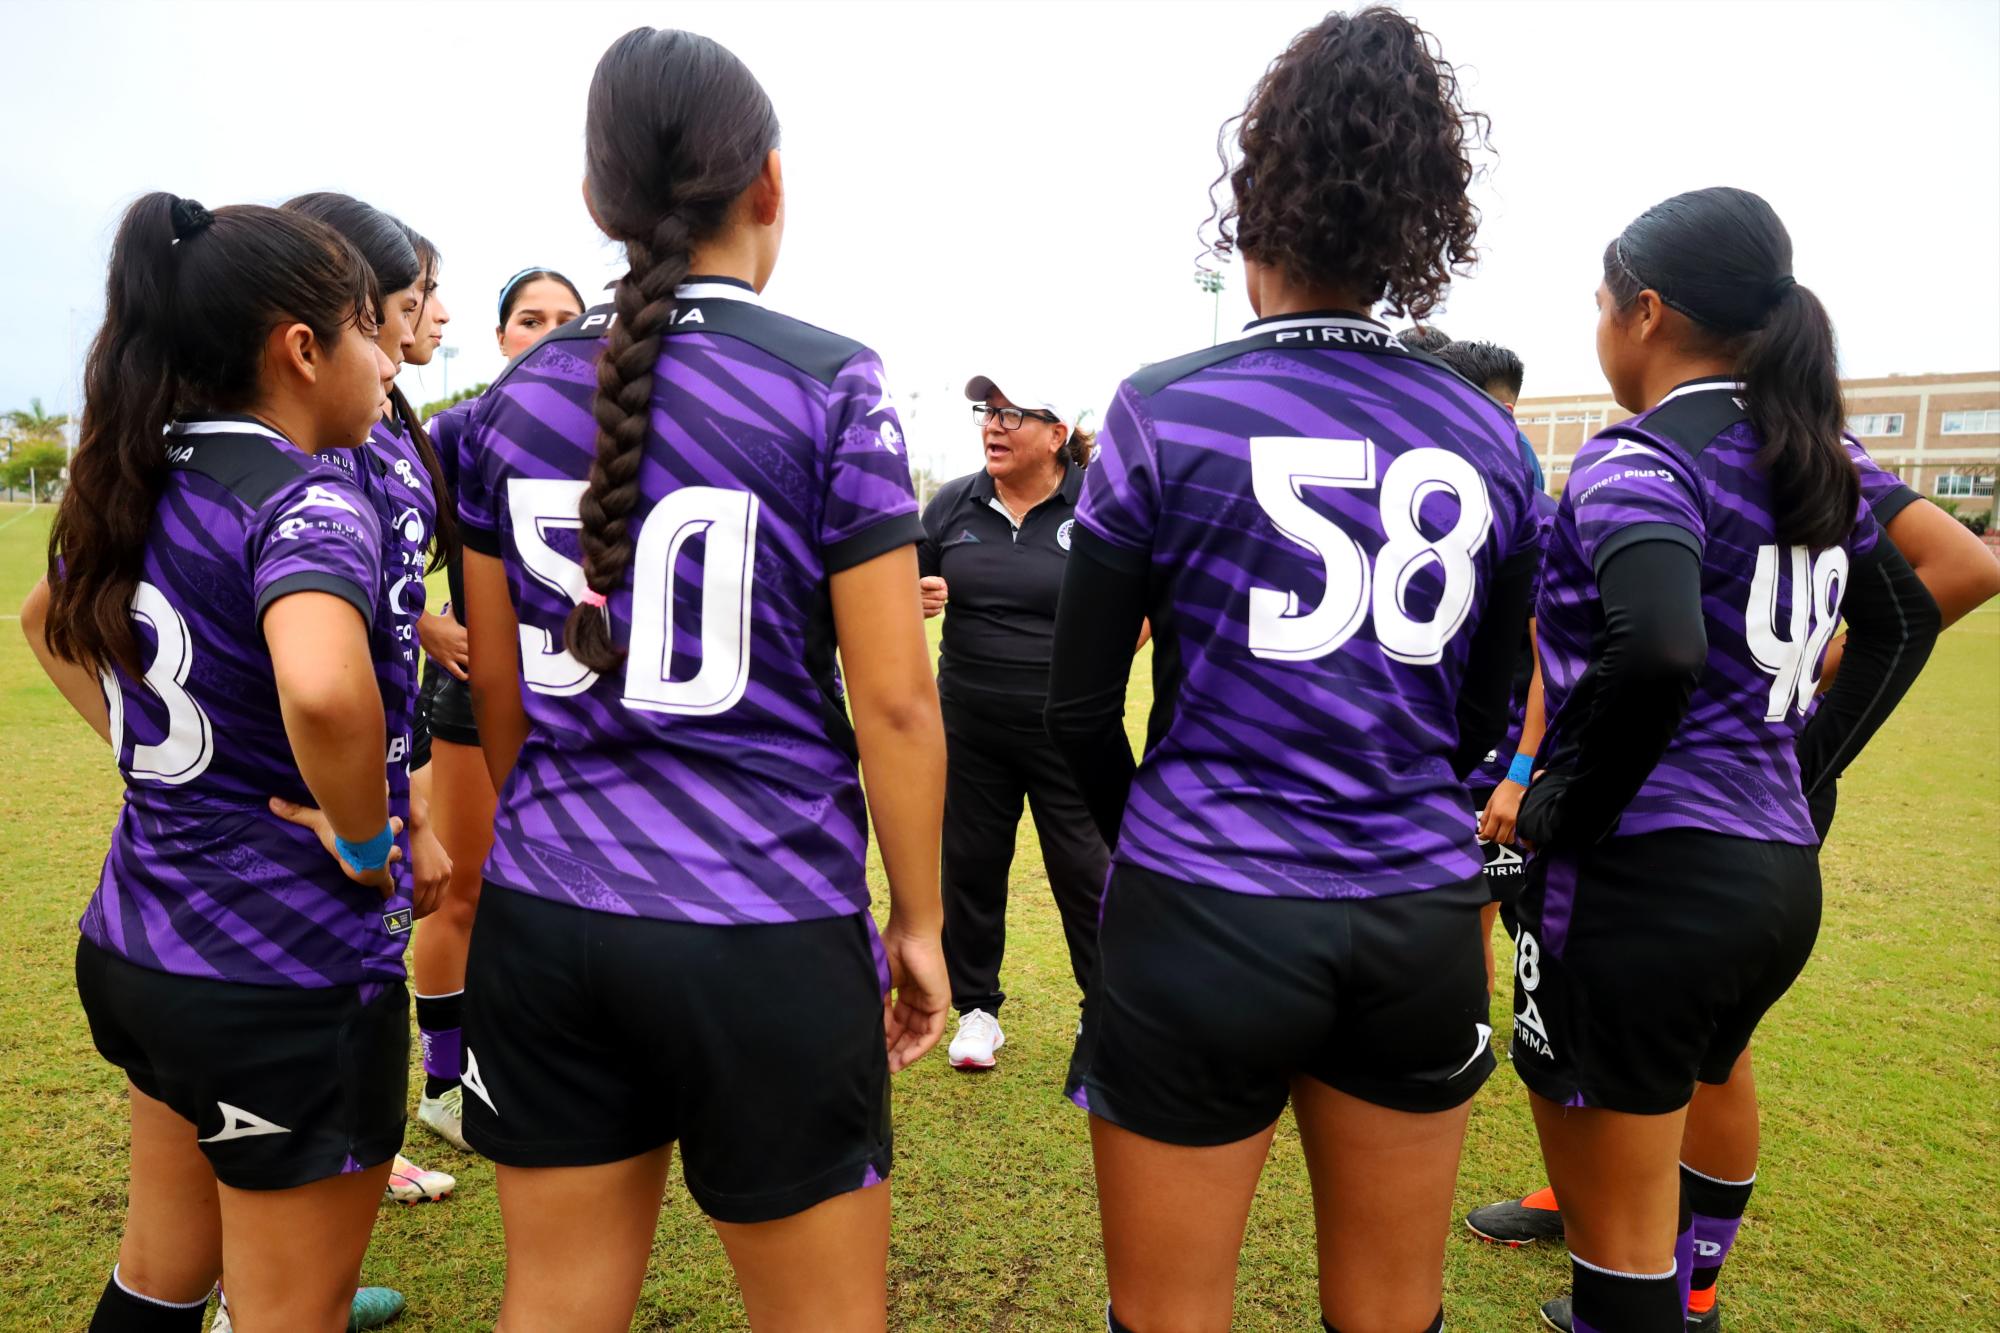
x,y
712,777
1320,513
407,505
202,879
1685,472
1493,770
1883,492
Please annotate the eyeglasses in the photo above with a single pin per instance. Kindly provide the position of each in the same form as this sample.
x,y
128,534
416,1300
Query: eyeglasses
x,y
1010,418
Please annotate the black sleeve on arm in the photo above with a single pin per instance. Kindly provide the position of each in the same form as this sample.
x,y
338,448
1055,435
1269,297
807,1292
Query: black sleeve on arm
x,y
1648,661
1097,624
1891,625
1488,685
928,551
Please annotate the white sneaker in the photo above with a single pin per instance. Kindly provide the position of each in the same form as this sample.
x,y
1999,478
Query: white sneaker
x,y
977,1038
444,1116
410,1183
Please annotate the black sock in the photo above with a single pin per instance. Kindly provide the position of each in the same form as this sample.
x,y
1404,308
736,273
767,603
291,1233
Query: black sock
x,y
1602,1301
438,1023
1718,1207
1111,1324
121,1310
1435,1326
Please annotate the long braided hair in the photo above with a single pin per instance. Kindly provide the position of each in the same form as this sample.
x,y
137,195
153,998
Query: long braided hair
x,y
677,129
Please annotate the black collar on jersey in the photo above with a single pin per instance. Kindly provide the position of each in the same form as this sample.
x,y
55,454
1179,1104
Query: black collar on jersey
x,y
1692,414
1313,317
238,424
1071,489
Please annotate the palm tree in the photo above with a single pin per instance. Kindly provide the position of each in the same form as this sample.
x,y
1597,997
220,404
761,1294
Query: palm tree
x,y
32,423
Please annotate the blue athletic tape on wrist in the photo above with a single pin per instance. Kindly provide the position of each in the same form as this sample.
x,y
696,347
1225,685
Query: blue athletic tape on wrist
x,y
1522,770
370,855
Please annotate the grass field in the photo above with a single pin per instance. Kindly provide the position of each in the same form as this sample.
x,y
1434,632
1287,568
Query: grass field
x,y
1878,1204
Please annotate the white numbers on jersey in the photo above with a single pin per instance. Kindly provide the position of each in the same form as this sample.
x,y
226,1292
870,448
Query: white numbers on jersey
x,y
1528,967
1792,659
728,521
188,748
1281,467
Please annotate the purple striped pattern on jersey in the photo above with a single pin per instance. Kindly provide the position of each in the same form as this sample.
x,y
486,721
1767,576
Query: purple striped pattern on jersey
x,y
1686,471
712,778
1253,484
407,504
1493,771
201,879
1883,492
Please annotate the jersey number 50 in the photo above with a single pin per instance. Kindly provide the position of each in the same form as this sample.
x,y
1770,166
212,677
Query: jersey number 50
x,y
1281,467
728,520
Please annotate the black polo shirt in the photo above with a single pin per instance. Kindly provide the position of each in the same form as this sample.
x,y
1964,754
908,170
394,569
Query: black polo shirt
x,y
999,624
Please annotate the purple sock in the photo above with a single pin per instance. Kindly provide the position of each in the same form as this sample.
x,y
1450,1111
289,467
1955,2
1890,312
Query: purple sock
x,y
1684,1253
439,1032
1718,1214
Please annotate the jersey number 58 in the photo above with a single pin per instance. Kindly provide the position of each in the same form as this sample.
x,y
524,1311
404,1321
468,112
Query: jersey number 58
x,y
1282,467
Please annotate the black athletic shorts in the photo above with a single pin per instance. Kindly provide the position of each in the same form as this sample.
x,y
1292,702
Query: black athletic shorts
x,y
285,1085
592,1038
1643,964
447,702
1207,1004
1506,862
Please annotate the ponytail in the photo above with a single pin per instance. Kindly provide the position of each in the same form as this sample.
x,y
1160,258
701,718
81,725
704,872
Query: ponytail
x,y
120,469
189,299
645,302
1723,258
1791,387
675,131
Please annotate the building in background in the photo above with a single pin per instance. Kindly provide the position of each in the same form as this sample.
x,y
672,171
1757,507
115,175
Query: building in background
x,y
1939,433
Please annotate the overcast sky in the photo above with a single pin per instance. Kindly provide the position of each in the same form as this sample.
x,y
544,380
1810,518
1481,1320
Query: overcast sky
x,y
1017,180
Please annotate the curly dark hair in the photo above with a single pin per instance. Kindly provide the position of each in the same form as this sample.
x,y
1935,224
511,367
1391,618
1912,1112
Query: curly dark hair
x,y
1354,161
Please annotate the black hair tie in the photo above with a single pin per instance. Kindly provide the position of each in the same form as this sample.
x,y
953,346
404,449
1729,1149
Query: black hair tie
x,y
189,217
1780,287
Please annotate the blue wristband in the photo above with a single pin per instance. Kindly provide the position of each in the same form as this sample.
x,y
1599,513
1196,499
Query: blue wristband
x,y
1522,770
365,856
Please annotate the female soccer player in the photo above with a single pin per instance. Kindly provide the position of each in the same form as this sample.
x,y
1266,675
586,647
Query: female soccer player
x,y
675,510
995,544
215,607
399,471
1335,538
1720,1144
1702,555
534,301
1500,782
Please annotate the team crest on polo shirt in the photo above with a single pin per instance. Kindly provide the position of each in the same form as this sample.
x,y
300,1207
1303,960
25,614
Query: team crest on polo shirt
x,y
1062,533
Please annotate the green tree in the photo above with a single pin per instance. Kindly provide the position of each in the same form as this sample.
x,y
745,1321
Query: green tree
x,y
38,463
429,410
33,423
29,425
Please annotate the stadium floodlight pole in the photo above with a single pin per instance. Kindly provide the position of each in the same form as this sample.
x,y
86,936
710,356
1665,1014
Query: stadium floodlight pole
x,y
447,353
1211,280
